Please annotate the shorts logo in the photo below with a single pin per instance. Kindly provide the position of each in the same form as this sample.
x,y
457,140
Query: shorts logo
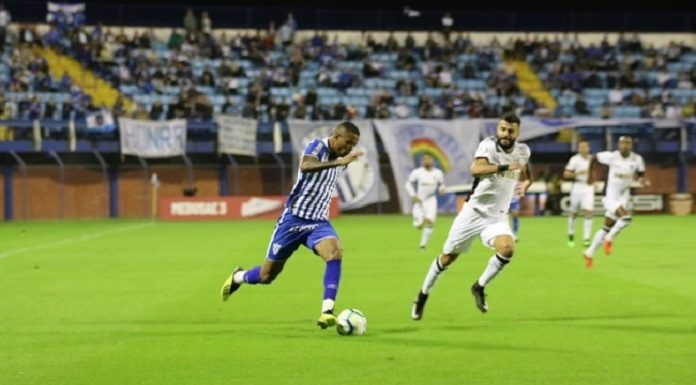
x,y
276,247
299,229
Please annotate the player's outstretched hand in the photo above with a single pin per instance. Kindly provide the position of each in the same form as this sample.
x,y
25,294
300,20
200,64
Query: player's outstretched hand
x,y
350,157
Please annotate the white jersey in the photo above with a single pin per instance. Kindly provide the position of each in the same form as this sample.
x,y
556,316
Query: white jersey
x,y
622,172
425,183
581,167
493,192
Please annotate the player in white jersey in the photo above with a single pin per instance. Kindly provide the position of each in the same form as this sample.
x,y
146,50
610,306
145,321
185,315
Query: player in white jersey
x,y
423,185
498,162
581,194
624,167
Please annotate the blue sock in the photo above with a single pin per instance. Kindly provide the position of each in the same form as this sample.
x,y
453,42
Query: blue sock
x,y
332,276
253,275
515,224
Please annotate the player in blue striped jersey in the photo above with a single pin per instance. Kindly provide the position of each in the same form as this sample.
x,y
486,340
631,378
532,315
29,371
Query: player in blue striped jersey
x,y
305,220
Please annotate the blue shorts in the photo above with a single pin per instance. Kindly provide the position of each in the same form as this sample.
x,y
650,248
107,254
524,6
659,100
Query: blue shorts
x,y
515,205
291,232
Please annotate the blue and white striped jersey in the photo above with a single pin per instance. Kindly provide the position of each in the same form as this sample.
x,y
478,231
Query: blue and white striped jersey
x,y
311,194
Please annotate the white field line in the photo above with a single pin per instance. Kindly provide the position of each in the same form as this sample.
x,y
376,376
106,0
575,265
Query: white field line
x,y
70,241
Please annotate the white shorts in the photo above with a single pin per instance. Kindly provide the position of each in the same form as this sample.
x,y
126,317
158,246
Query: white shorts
x,y
581,198
613,204
468,224
426,209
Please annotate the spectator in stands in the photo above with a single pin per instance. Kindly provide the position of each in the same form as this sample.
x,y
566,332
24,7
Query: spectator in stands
x,y
50,109
5,20
409,41
6,132
190,22
606,111
658,111
447,23
140,113
156,111
616,95
406,87
581,107
35,110
673,111
424,108
118,109
68,111
176,39
689,110
391,45
28,36
287,31
401,111
206,24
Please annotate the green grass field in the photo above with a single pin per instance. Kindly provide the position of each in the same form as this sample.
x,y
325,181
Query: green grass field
x,y
124,302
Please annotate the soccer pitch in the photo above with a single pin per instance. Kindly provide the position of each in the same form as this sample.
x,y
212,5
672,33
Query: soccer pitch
x,y
127,302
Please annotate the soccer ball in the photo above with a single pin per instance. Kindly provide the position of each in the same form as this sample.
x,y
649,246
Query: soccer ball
x,y
351,322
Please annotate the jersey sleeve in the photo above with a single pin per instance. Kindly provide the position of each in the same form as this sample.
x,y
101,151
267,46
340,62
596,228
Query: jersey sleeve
x,y
486,150
313,148
441,182
412,179
640,165
526,151
572,164
604,157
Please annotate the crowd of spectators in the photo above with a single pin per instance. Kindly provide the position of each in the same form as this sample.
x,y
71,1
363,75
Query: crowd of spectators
x,y
241,71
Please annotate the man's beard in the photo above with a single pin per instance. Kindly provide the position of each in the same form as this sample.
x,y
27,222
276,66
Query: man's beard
x,y
504,147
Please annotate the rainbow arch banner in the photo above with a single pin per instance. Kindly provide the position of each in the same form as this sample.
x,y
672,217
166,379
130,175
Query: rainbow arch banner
x,y
452,143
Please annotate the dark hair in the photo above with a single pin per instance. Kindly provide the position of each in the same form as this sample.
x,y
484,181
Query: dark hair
x,y
349,127
510,117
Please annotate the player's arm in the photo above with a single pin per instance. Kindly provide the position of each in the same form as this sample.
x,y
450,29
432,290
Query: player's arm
x,y
640,174
412,178
526,178
482,167
312,164
590,169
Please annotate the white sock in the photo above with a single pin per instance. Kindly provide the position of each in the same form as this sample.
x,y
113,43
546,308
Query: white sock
x,y
571,225
425,235
597,241
587,230
434,272
238,277
495,265
327,305
621,224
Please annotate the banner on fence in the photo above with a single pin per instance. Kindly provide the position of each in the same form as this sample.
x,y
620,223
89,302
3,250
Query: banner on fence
x,y
235,207
152,139
450,142
100,121
361,183
236,135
